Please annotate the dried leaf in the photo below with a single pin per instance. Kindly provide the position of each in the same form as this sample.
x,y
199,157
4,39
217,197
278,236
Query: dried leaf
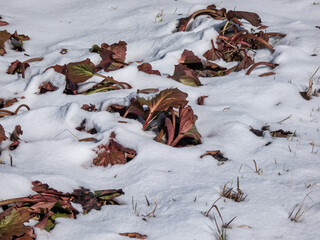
x,y
251,17
281,133
18,67
17,41
200,100
190,60
185,76
113,153
162,102
147,68
245,63
4,36
213,54
89,108
134,235
215,154
10,102
64,51
15,135
3,23
47,87
257,132
78,72
2,134
104,86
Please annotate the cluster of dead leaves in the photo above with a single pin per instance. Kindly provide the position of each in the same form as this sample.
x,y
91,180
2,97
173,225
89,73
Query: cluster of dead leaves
x,y
277,133
47,205
233,44
167,114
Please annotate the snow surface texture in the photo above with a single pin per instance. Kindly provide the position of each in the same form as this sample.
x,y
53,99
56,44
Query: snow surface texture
x,y
183,185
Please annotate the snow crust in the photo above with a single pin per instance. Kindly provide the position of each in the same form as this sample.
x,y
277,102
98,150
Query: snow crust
x,y
182,184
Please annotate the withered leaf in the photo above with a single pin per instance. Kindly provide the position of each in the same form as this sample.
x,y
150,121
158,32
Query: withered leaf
x,y
215,154
17,41
2,134
15,135
245,63
3,23
89,108
185,76
200,100
105,85
213,54
47,87
147,68
134,235
18,67
10,102
113,153
78,72
4,36
190,60
162,102
251,17
281,133
257,132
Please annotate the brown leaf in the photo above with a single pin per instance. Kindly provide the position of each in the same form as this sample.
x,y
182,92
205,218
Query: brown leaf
x,y
251,17
215,154
15,135
2,134
9,102
4,36
185,76
147,68
59,69
64,51
89,108
281,133
134,235
17,41
213,54
162,102
200,100
257,132
47,87
245,63
113,153
18,67
3,23
190,60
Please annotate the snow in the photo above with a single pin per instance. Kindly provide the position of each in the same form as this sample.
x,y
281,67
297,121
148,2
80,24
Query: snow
x,y
182,184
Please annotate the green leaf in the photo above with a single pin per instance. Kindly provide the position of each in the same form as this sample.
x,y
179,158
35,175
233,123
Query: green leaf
x,y
78,72
95,48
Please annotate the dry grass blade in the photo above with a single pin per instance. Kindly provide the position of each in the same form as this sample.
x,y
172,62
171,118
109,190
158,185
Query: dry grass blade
x,y
228,192
295,216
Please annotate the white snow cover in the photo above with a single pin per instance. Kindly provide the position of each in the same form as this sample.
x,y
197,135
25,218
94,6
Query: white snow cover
x,y
182,184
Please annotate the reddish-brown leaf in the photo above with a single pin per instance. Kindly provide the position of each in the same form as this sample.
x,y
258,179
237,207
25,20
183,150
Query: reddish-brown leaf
x,y
78,72
18,67
47,87
89,108
3,23
213,54
10,102
4,36
251,17
113,153
200,100
189,59
147,68
15,135
215,154
134,235
64,51
245,63
162,102
2,134
17,41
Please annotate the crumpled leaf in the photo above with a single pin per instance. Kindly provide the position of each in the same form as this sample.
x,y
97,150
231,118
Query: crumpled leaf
x,y
134,235
18,67
47,87
113,153
251,17
185,76
113,56
147,68
78,72
4,36
162,102
89,108
2,134
215,154
245,63
15,137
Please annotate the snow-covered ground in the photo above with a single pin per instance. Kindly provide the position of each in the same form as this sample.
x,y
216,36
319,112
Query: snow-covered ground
x,y
183,185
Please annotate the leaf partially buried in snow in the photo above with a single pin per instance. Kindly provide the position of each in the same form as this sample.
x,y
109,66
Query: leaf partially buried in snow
x,y
2,134
213,54
134,235
17,41
78,72
113,153
162,102
281,133
215,154
4,36
189,59
147,68
47,87
251,17
186,76
18,67
200,100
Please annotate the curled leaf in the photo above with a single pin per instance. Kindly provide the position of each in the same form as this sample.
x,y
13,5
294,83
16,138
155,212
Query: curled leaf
x,y
251,17
215,154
